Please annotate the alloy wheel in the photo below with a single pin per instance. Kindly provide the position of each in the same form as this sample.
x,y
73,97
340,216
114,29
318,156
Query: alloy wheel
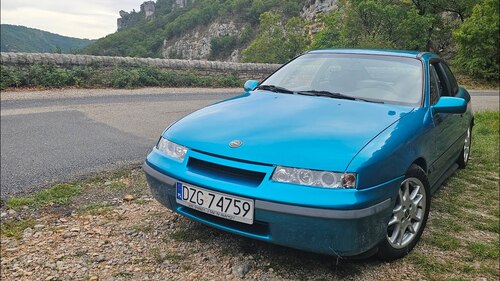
x,y
408,213
467,146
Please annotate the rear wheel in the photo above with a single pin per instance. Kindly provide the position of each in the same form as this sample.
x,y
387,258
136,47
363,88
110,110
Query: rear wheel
x,y
464,156
409,216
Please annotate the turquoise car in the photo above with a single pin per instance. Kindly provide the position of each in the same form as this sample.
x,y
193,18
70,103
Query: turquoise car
x,y
337,152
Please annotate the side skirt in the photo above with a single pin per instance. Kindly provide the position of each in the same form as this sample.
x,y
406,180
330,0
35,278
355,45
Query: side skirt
x,y
444,177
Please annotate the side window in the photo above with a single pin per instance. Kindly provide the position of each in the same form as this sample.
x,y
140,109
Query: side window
x,y
435,85
451,78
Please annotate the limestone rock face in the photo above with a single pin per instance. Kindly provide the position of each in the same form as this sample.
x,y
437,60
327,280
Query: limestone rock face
x,y
127,19
315,7
196,45
182,3
148,8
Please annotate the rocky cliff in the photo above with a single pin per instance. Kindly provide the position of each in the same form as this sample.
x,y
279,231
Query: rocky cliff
x,y
312,8
130,19
199,29
196,44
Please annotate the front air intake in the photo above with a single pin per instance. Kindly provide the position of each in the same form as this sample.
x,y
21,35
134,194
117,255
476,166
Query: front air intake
x,y
225,173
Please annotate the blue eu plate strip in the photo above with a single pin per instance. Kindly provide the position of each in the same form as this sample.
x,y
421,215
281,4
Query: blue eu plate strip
x,y
179,190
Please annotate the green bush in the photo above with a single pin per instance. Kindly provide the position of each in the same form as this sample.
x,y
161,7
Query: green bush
x,y
478,39
10,77
222,46
51,76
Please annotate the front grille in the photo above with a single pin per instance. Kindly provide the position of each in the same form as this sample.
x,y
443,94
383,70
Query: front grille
x,y
225,173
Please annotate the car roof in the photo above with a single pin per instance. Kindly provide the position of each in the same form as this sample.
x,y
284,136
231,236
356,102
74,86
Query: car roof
x,y
396,53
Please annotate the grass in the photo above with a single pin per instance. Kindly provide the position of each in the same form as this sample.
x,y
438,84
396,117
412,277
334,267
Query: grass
x,y
14,228
63,194
60,194
484,250
444,241
461,238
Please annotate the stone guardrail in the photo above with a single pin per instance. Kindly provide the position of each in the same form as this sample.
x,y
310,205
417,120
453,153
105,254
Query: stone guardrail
x,y
243,70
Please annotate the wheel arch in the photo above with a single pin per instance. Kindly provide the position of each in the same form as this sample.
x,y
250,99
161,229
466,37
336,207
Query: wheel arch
x,y
421,162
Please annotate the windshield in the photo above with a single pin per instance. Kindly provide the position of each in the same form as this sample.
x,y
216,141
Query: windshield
x,y
375,78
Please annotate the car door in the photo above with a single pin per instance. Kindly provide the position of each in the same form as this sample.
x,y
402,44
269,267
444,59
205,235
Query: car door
x,y
462,124
444,131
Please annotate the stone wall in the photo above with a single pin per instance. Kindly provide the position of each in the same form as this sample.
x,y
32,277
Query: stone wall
x,y
243,70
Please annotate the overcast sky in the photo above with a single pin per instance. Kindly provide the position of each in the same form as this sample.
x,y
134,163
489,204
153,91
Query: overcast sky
x,y
76,18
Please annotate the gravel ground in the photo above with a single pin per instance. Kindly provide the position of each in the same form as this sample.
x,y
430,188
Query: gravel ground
x,y
115,230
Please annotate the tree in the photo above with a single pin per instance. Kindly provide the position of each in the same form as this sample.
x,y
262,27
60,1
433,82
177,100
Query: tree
x,y
277,42
462,8
478,39
375,24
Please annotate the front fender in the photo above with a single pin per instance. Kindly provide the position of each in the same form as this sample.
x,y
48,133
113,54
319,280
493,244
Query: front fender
x,y
389,155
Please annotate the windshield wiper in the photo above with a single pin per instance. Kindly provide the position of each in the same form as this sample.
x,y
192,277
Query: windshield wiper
x,y
278,89
275,89
326,94
334,95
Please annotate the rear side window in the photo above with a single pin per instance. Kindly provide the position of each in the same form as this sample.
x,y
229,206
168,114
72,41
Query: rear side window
x,y
451,78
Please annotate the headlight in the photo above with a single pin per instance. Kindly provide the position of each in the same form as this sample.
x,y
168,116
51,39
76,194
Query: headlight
x,y
314,178
172,149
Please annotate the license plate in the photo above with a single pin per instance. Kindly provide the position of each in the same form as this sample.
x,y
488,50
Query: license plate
x,y
215,203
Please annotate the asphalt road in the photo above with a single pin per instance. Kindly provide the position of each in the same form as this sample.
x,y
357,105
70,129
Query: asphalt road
x,y
61,135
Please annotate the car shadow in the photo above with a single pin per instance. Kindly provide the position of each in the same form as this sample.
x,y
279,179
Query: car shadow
x,y
285,262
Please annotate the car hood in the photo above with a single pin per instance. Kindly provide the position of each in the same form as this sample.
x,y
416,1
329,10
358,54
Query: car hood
x,y
282,129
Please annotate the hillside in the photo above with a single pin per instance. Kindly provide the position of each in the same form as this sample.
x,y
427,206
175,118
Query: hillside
x,y
189,28
465,32
16,38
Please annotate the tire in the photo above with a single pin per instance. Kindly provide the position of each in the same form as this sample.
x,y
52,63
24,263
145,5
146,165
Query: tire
x,y
463,159
409,216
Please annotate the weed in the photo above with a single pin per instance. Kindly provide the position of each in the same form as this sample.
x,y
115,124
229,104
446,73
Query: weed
x,y
19,202
144,228
141,201
14,228
60,194
98,208
159,256
117,185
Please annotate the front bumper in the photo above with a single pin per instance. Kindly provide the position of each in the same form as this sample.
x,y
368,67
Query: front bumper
x,y
339,232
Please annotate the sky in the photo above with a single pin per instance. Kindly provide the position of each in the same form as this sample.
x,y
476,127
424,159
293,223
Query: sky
x,y
90,19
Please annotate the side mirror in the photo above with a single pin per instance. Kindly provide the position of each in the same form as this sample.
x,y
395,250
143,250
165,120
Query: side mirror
x,y
450,105
250,85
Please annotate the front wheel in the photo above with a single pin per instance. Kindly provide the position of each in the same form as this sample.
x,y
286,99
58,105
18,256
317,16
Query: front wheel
x,y
409,215
464,156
